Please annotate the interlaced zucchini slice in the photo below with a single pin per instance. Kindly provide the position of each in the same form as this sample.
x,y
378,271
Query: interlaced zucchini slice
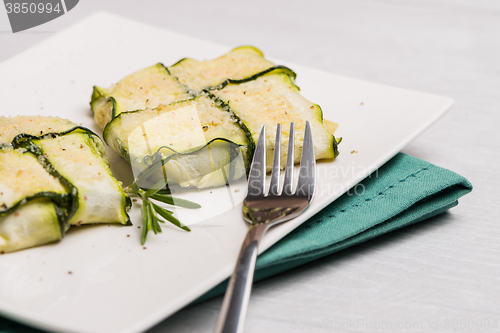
x,y
152,86
242,63
77,157
196,137
23,178
274,98
34,223
242,87
146,88
10,127
61,176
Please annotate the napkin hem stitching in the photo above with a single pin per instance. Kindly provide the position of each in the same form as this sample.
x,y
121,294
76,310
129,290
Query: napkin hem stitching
x,y
382,192
328,249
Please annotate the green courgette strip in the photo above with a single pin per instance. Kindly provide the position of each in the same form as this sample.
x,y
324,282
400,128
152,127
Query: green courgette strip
x,y
62,205
101,97
117,132
276,68
240,63
150,210
27,142
61,200
66,204
64,200
65,212
280,86
243,126
37,222
233,154
151,193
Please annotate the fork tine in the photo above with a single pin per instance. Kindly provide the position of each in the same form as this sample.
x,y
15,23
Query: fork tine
x,y
287,184
257,175
275,176
307,171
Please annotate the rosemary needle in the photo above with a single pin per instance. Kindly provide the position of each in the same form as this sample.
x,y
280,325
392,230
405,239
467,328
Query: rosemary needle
x,y
150,210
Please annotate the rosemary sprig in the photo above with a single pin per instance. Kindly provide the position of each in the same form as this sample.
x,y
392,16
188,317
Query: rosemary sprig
x,y
152,211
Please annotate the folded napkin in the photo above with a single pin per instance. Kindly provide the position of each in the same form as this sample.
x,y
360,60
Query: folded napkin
x,y
404,191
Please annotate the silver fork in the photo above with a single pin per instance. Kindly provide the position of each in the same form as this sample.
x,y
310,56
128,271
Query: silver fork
x,y
262,212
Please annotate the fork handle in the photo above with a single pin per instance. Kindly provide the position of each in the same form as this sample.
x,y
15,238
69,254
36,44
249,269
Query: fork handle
x,y
234,306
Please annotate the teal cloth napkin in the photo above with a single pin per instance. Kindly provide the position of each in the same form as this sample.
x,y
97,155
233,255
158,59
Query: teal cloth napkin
x,y
404,191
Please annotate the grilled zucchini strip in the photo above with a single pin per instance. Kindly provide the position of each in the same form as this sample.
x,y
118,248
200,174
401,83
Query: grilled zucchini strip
x,y
249,89
24,178
34,204
11,127
271,99
242,63
155,85
180,132
77,158
148,87
49,180
214,164
35,223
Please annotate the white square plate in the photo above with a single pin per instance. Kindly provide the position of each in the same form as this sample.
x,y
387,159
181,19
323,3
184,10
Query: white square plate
x,y
116,285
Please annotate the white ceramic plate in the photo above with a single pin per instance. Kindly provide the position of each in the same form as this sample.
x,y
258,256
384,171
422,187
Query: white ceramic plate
x,y
116,285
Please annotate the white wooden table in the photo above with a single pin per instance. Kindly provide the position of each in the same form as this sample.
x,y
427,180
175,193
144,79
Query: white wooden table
x,y
442,275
